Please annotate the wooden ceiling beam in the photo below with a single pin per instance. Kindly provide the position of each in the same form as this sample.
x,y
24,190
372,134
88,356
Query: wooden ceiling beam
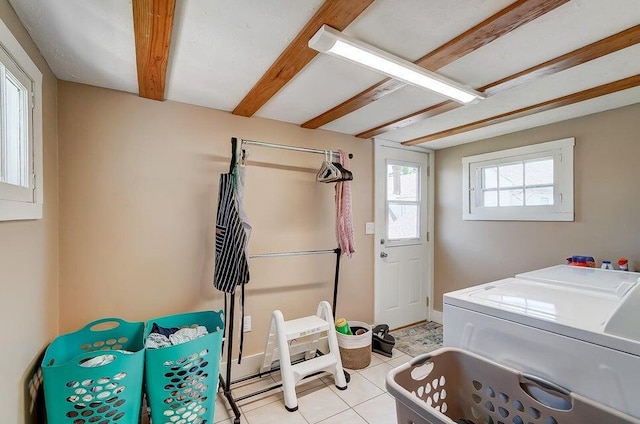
x,y
570,99
612,44
577,57
501,23
152,25
410,119
335,13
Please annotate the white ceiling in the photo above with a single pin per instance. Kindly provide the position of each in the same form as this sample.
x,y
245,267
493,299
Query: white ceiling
x,y
220,48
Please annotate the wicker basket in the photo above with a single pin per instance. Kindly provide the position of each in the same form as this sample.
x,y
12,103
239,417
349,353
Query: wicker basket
x,y
355,351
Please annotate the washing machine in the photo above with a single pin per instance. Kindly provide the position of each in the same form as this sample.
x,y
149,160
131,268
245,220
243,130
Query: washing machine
x,y
577,327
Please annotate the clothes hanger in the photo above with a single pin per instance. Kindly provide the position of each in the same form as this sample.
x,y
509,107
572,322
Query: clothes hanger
x,y
345,174
328,171
336,172
243,157
322,172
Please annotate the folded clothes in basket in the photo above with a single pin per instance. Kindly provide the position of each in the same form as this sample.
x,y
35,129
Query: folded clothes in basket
x,y
155,328
160,339
100,360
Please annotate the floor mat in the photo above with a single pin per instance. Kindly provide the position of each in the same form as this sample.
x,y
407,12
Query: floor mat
x,y
418,339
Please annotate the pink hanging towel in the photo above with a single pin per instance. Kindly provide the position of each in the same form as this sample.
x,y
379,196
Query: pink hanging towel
x,y
344,219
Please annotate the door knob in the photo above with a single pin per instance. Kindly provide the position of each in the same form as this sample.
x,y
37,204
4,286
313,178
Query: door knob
x,y
383,254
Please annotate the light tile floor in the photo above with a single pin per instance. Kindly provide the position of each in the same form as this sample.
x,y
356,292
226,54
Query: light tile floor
x,y
365,401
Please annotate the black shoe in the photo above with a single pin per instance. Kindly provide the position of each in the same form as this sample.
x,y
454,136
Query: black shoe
x,y
382,341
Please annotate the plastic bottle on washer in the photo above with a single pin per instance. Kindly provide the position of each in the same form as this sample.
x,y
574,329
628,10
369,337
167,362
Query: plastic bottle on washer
x,y
623,264
606,265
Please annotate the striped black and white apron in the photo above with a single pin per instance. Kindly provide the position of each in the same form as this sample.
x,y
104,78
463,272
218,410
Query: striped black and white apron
x,y
231,267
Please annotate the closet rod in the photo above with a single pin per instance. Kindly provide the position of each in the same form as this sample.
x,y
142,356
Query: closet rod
x,y
285,147
298,253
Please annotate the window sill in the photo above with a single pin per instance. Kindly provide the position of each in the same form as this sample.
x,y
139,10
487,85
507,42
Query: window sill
x,y
550,216
18,211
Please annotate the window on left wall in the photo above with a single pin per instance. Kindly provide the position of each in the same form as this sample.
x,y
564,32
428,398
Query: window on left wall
x,y
21,180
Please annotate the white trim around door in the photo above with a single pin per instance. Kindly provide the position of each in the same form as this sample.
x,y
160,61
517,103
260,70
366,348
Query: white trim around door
x,y
388,154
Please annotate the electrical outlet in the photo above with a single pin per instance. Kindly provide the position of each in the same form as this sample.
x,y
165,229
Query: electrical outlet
x,y
247,324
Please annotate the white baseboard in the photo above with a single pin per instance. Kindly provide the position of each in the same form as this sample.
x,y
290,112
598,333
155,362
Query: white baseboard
x,y
251,364
436,316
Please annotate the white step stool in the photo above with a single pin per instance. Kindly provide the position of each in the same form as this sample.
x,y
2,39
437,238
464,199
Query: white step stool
x,y
281,332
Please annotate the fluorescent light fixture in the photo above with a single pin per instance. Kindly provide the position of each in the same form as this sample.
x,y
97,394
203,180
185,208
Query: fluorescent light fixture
x,y
328,40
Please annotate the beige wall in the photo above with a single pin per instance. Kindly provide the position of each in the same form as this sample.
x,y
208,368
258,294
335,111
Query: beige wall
x,y
607,206
138,196
29,258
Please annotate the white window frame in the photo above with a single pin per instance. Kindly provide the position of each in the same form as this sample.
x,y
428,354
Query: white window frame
x,y
561,210
18,207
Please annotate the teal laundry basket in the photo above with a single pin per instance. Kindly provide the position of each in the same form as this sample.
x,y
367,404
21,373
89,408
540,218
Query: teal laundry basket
x,y
110,393
182,380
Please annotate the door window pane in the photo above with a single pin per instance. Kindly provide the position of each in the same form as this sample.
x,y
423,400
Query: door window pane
x,y
403,182
402,221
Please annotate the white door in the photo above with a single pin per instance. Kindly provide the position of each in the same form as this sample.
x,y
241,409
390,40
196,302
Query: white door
x,y
403,250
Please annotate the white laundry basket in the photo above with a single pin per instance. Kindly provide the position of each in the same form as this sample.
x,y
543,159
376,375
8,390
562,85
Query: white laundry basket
x,y
355,350
451,385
